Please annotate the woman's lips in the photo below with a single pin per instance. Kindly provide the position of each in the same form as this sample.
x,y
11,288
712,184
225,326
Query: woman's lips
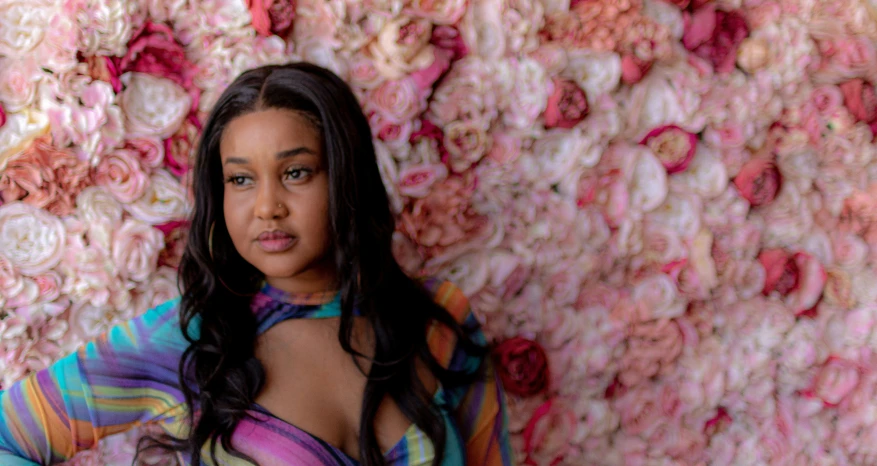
x,y
275,241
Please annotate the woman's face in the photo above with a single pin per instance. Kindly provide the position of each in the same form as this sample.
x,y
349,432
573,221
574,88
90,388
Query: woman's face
x,y
276,198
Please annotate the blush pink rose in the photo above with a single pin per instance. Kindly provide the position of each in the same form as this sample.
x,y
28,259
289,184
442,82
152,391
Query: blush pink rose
x,y
136,246
782,274
715,35
154,50
272,16
150,151
45,177
836,379
396,100
633,69
844,56
567,105
444,218
860,99
121,174
651,347
449,38
673,146
548,434
416,180
759,182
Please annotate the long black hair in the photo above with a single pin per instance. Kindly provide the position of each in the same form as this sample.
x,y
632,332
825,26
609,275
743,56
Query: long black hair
x,y
219,373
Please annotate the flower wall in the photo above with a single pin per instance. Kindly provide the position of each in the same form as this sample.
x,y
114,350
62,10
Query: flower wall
x,y
664,212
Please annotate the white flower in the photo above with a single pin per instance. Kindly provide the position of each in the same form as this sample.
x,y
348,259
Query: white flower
x,y
18,83
657,294
135,249
706,175
23,25
648,181
482,29
105,26
153,106
596,72
165,200
102,214
19,131
31,238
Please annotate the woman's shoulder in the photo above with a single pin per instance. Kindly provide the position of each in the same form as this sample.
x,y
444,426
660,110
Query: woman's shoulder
x,y
450,297
442,340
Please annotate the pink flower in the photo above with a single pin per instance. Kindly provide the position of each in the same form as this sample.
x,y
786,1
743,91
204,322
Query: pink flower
x,y
634,69
714,35
836,379
45,177
548,434
444,218
860,99
416,180
154,50
782,272
759,182
135,249
567,105
448,38
175,237
445,12
2,116
272,16
651,347
466,142
402,46
674,146
121,174
844,57
396,101
180,149
104,69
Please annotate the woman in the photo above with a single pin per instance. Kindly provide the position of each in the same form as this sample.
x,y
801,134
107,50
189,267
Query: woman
x,y
289,254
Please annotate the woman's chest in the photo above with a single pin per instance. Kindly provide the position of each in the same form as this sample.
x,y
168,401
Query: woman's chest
x,y
312,384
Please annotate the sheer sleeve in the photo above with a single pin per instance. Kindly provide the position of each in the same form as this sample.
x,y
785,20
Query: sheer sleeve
x,y
126,377
479,409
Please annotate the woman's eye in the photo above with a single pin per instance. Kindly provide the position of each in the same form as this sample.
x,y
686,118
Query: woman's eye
x,y
237,180
296,173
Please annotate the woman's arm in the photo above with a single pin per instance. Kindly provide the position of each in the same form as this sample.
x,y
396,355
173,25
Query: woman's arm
x,y
480,410
126,377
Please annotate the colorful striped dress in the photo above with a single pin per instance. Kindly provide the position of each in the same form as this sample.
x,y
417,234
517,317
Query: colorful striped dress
x,y
128,377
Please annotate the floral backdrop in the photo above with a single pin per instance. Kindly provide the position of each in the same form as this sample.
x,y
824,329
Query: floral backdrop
x,y
664,212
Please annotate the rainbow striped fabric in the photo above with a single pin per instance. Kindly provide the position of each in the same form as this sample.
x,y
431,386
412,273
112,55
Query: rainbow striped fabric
x,y
128,377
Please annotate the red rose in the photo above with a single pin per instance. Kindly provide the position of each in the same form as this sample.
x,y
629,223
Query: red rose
x,y
715,35
272,16
673,146
523,366
154,50
759,182
567,105
781,271
860,99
